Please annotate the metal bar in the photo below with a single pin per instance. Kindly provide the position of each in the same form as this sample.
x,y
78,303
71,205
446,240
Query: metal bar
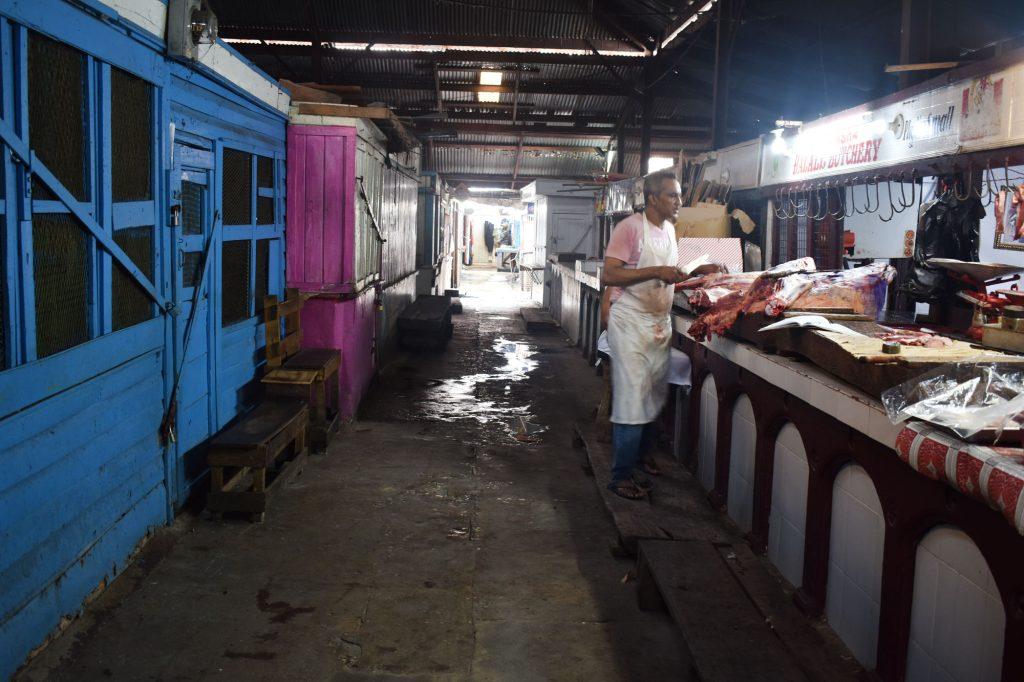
x,y
492,59
383,37
929,66
519,156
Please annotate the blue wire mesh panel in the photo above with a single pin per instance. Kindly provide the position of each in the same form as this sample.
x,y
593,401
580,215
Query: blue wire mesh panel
x,y
131,305
234,282
237,187
190,269
262,272
265,179
264,171
191,207
60,253
56,113
131,137
3,302
264,210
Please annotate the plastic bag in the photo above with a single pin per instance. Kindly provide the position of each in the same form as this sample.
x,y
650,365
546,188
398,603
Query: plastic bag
x,y
963,397
860,290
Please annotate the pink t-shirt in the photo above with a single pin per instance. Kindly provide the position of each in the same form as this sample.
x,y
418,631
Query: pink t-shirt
x,y
625,243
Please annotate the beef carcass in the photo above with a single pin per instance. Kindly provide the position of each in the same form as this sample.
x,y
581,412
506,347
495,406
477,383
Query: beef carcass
x,y
860,289
720,316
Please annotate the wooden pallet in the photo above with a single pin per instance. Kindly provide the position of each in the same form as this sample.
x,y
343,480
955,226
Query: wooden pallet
x,y
737,621
254,457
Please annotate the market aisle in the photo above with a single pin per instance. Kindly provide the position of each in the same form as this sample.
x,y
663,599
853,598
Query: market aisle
x,y
429,542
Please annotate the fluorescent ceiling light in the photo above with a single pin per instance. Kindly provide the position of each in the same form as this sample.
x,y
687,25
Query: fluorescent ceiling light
x,y
492,189
657,163
488,96
490,78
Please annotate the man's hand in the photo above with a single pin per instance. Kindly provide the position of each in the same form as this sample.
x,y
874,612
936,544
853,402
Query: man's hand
x,y
670,274
707,269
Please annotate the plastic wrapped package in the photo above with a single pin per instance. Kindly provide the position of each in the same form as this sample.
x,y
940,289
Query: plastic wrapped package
x,y
966,398
860,290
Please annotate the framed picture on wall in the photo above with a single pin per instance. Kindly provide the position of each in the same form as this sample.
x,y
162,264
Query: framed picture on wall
x,y
1009,210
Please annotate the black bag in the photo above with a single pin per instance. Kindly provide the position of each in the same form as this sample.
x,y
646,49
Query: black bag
x,y
949,228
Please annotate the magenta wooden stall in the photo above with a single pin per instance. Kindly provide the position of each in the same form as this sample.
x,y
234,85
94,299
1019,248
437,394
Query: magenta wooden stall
x,y
321,253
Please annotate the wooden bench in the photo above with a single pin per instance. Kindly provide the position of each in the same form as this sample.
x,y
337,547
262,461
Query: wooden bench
x,y
254,457
426,322
737,621
306,374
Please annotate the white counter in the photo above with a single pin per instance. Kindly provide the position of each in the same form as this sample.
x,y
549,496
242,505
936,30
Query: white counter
x,y
808,383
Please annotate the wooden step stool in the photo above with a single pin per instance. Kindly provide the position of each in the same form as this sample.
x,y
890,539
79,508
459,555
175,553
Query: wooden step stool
x,y
306,374
256,456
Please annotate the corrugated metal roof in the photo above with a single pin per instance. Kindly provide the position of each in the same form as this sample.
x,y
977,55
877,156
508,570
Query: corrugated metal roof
x,y
452,18
502,162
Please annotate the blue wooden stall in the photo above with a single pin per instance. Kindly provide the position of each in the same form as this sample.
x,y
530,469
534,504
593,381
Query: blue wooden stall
x,y
120,169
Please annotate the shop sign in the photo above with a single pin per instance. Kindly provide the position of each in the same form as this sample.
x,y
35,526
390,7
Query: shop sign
x,y
970,115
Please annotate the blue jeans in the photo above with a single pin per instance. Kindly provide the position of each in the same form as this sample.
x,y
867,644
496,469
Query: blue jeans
x,y
630,443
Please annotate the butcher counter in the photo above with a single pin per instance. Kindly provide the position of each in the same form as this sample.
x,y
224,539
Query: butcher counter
x,y
908,542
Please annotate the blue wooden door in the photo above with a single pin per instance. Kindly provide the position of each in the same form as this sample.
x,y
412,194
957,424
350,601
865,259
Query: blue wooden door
x,y
191,187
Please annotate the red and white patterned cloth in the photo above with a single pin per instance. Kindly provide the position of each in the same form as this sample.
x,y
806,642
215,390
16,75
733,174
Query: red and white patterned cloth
x,y
992,474
728,252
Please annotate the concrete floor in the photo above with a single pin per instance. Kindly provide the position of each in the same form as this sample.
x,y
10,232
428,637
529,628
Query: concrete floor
x,y
427,544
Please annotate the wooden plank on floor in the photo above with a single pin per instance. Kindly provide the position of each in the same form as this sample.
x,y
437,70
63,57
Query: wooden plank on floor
x,y
816,648
538,320
727,637
676,509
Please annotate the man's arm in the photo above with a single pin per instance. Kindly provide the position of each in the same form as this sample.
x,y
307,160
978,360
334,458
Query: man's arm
x,y
616,273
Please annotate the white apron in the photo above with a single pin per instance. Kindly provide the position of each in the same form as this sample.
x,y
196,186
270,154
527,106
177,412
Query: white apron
x,y
639,333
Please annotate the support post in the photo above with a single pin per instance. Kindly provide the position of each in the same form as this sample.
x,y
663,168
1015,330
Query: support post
x,y
724,32
620,151
647,117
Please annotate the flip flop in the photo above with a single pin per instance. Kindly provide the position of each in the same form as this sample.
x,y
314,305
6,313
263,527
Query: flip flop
x,y
641,482
649,466
619,490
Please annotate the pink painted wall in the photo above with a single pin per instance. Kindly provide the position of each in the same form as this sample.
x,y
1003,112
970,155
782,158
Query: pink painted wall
x,y
321,207
321,237
349,326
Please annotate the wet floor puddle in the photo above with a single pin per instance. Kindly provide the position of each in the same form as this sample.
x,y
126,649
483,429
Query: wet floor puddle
x,y
486,398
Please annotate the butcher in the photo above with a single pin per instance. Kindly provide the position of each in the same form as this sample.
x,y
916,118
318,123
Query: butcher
x,y
641,260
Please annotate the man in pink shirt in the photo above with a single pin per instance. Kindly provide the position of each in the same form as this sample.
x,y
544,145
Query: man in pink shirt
x,y
641,260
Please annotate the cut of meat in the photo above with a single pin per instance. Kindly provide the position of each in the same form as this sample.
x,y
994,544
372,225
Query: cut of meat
x,y
910,337
788,285
709,289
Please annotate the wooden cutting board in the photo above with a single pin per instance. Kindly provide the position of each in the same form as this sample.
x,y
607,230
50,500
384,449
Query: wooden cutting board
x,y
861,363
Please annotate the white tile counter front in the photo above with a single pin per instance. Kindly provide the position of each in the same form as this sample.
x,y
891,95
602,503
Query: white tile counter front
x,y
814,386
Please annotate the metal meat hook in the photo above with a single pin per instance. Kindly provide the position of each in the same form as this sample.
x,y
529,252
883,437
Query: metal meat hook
x,y
821,213
892,209
840,202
